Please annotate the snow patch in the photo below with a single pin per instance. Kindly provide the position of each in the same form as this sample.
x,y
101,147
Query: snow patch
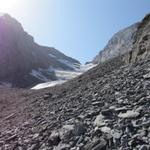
x,y
69,64
48,84
62,75
87,67
66,75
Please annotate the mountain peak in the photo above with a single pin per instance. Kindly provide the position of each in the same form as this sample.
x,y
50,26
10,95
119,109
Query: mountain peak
x,y
22,61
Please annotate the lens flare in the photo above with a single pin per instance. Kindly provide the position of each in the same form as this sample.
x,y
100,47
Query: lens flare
x,y
8,5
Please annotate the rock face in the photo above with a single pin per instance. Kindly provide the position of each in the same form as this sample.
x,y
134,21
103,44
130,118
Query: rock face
x,y
22,61
119,44
141,46
132,41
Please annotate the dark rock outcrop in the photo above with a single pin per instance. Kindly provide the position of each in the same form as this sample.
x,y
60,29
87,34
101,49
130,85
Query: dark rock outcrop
x,y
141,45
20,56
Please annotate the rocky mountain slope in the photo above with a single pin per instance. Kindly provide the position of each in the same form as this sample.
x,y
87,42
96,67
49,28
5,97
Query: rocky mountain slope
x,y
106,108
25,63
119,44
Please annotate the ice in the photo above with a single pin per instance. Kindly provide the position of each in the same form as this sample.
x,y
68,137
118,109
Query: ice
x,y
62,76
71,65
66,75
87,67
48,84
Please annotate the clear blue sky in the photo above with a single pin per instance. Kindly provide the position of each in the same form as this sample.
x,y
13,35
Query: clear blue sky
x,y
79,28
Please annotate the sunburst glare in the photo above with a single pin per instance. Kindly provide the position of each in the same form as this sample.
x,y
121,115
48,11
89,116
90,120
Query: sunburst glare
x,y
8,5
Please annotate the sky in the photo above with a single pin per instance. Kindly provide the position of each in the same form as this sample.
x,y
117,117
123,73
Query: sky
x,y
78,28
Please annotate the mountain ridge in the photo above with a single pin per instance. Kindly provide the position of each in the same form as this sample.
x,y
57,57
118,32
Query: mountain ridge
x,y
119,44
20,55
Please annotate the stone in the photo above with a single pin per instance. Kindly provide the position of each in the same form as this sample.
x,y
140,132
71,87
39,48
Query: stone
x,y
107,113
96,144
97,103
129,114
66,132
62,146
121,109
124,141
100,146
90,114
35,136
79,128
106,130
146,124
46,97
99,121
80,140
54,138
69,131
146,76
144,147
11,138
116,134
34,147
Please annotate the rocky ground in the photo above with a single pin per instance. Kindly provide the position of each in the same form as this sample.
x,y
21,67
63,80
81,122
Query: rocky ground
x,y
107,108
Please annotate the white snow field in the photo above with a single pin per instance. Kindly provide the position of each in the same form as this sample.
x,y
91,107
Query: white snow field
x,y
63,76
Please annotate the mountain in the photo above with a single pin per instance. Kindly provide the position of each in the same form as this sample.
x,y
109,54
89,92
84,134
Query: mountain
x,y
106,108
25,63
119,44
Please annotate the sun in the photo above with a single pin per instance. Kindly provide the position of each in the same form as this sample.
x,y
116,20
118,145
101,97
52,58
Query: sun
x,y
7,6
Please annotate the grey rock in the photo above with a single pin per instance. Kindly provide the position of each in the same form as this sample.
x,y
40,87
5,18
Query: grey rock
x,y
107,113
99,121
141,41
119,44
66,132
54,138
124,141
129,114
144,147
96,144
62,146
69,131
34,147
